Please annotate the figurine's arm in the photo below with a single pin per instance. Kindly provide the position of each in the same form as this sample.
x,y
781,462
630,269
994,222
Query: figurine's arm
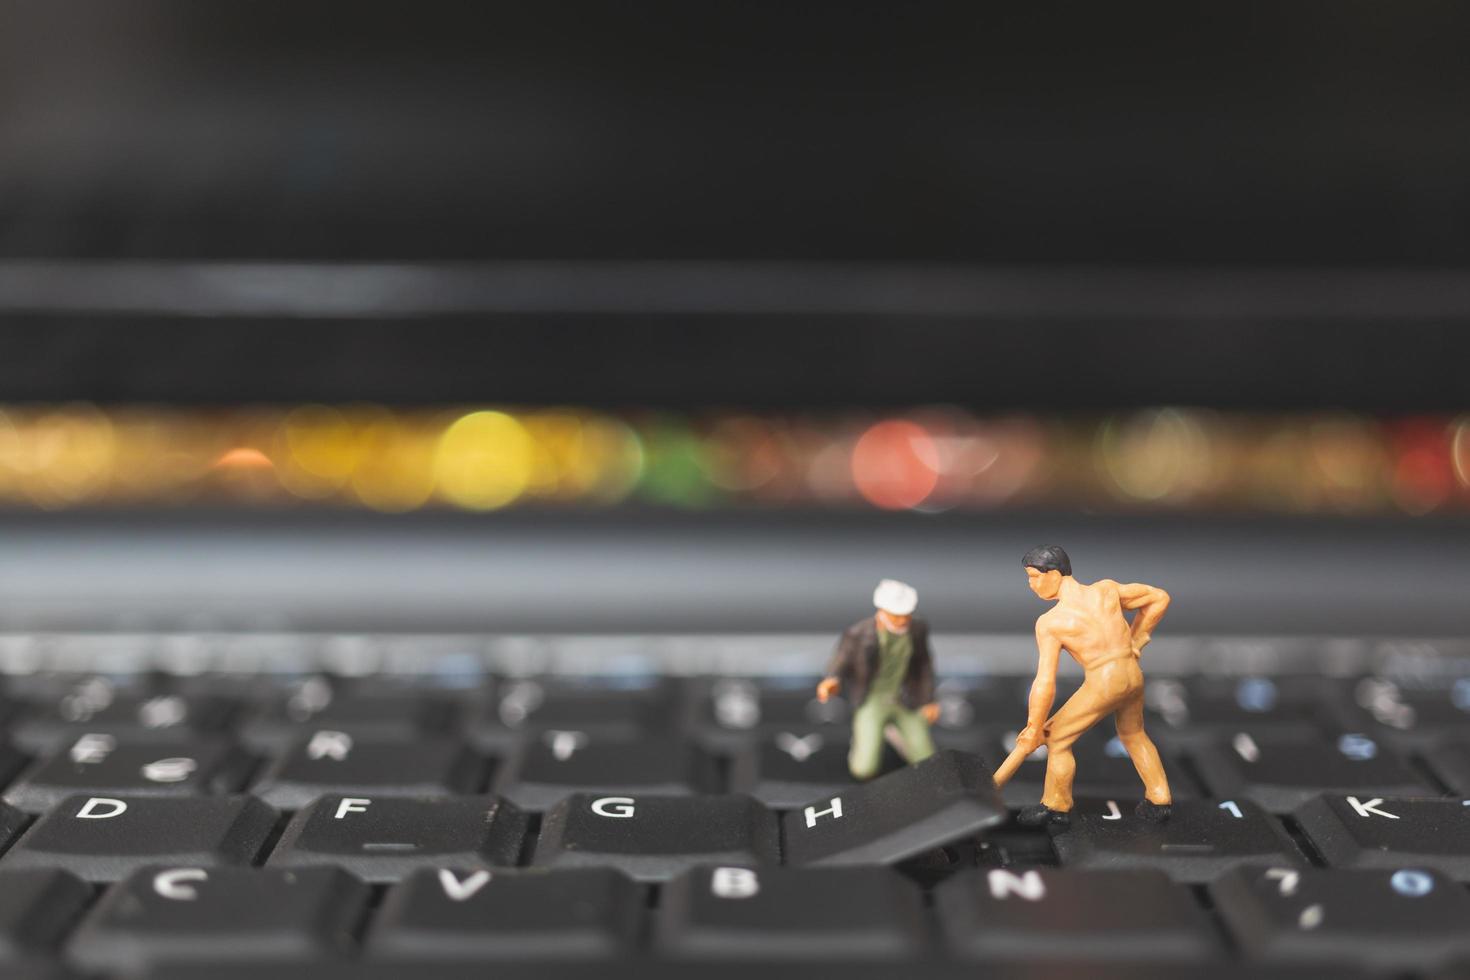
x,y
831,683
1043,688
923,670
1151,603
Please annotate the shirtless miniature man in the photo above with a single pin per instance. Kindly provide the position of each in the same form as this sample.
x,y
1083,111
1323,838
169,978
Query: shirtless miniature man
x,y
1088,622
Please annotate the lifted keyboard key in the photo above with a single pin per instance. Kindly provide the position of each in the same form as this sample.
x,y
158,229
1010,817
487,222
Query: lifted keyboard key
x,y
1388,833
1201,840
1081,915
653,838
107,838
382,839
443,914
948,796
167,914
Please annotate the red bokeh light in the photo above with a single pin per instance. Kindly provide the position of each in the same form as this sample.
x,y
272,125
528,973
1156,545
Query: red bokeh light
x,y
895,464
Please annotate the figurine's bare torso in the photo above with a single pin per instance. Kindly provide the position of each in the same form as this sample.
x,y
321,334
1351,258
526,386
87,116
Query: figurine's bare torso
x,y
1089,623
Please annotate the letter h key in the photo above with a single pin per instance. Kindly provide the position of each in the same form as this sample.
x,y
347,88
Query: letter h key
x,y
948,796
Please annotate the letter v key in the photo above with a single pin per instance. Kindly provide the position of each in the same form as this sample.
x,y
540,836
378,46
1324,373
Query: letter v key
x,y
457,890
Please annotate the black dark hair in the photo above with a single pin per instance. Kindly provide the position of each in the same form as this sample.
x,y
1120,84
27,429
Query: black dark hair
x,y
1048,557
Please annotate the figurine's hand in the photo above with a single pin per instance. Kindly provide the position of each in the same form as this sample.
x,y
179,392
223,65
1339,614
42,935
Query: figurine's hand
x,y
1140,640
930,712
1029,740
827,688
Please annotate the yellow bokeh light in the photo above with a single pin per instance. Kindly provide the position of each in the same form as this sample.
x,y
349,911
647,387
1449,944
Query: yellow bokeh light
x,y
396,469
484,461
318,448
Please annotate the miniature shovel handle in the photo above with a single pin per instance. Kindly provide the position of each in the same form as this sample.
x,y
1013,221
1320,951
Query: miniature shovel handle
x,y
1008,768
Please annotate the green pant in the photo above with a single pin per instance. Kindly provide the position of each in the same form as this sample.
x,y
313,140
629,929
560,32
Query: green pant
x,y
868,724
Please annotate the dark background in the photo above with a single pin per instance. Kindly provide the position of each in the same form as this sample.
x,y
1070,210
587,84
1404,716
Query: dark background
x,y
1040,207
1264,205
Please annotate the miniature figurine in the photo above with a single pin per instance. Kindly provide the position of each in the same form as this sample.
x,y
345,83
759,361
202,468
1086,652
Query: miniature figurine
x,y
1088,622
884,662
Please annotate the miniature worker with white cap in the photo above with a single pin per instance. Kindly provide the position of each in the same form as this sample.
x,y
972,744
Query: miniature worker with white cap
x,y
884,663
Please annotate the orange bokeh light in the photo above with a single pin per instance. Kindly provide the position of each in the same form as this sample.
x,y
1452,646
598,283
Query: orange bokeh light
x,y
895,464
245,458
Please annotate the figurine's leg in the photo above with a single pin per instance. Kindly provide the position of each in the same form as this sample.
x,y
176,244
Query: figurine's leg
x,y
1081,712
918,744
1142,751
866,754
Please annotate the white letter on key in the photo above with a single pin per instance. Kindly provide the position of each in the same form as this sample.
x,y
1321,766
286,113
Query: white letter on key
x,y
458,890
812,813
89,808
351,804
734,883
613,806
1370,808
1029,886
329,745
167,883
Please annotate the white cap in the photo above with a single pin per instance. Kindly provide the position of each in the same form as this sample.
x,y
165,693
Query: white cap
x,y
898,598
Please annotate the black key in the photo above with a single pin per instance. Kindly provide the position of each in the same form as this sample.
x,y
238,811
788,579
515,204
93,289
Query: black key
x,y
368,711
1383,832
99,764
791,768
556,764
97,708
597,711
1202,840
166,914
654,838
914,809
1282,774
329,761
730,713
37,907
1104,769
1191,710
382,839
790,913
1082,915
106,838
442,914
1390,920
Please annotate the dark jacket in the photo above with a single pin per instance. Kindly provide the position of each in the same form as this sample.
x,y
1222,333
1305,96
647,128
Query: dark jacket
x,y
856,660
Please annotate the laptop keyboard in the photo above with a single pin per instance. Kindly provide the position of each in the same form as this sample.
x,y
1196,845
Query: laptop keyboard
x,y
161,823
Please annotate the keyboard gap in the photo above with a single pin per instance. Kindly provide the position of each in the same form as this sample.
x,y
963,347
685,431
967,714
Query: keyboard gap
x,y
1202,897
271,840
1303,842
528,846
